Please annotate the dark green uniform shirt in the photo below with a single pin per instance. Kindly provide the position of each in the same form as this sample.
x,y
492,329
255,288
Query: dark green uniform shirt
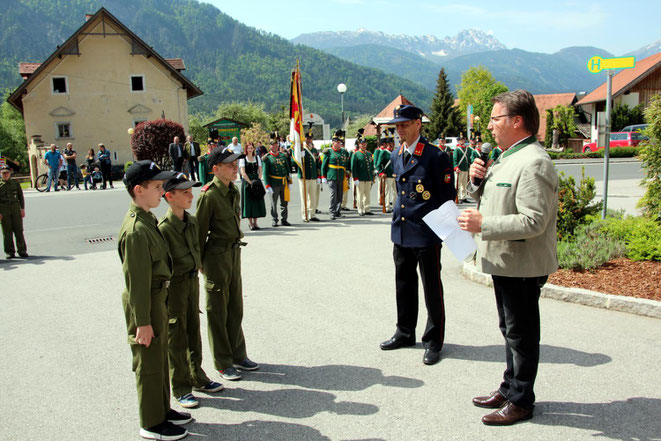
x,y
145,260
11,193
218,214
463,158
183,240
335,163
384,164
275,168
362,167
310,164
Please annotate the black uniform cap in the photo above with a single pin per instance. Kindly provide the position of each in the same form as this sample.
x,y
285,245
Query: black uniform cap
x,y
225,155
405,113
179,182
145,170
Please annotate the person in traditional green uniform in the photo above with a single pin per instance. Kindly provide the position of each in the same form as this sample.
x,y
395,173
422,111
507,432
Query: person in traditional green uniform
x,y
385,170
219,217
276,168
147,268
12,212
333,171
309,190
205,172
495,153
462,159
250,169
362,171
180,230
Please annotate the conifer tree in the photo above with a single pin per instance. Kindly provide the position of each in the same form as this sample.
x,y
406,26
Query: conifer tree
x,y
445,119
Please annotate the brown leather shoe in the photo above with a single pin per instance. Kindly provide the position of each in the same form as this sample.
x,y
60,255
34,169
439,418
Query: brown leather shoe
x,y
510,413
492,401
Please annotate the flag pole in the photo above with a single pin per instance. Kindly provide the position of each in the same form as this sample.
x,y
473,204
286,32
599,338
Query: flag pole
x,y
300,138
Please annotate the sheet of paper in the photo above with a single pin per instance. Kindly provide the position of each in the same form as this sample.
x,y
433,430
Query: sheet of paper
x,y
443,222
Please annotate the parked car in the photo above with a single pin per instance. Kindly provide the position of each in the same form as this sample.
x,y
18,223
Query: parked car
x,y
451,142
635,128
618,139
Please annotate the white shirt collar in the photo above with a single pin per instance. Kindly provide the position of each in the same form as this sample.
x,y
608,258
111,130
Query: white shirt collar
x,y
411,148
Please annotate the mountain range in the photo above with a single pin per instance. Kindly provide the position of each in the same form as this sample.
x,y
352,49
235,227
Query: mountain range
x,y
419,58
228,60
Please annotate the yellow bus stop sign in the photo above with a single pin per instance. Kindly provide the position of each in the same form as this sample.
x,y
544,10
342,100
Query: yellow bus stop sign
x,y
597,64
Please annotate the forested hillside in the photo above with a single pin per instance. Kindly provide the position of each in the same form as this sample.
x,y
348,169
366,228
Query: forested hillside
x,y
228,60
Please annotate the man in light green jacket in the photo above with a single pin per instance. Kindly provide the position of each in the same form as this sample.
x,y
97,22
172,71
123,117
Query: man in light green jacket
x,y
515,229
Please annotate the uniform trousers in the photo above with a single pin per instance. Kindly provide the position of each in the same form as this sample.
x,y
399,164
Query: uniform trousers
x,y
363,190
309,195
278,193
184,340
222,270
462,181
391,191
316,201
517,300
150,364
336,188
428,260
12,226
345,193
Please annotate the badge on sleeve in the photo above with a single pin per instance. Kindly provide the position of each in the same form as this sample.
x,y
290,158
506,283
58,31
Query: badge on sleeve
x,y
448,178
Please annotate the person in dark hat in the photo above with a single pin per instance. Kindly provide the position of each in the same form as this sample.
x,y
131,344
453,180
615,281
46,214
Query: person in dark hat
x,y
362,171
147,267
276,169
333,171
309,190
180,230
219,217
424,182
386,174
12,212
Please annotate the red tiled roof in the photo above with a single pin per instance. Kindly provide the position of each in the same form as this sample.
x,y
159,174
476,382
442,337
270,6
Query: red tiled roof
x,y
624,80
549,101
177,63
27,69
388,111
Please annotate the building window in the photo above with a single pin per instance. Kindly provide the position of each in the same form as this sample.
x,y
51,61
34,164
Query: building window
x,y
137,83
63,130
138,121
60,85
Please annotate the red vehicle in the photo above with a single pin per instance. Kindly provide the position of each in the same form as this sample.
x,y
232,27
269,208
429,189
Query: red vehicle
x,y
618,139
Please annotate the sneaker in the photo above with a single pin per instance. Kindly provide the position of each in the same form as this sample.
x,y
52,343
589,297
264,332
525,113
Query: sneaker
x,y
247,365
178,418
188,401
211,387
230,374
164,431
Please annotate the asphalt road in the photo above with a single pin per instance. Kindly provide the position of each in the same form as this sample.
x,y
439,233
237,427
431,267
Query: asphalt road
x,y
318,300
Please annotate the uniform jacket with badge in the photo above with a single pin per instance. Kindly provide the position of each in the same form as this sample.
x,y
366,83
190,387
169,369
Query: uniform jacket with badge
x,y
384,164
275,169
310,164
334,165
463,157
423,185
518,200
362,167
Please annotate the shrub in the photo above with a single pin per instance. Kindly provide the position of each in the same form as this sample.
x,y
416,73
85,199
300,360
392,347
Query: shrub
x,y
127,165
589,249
575,203
151,140
641,235
651,157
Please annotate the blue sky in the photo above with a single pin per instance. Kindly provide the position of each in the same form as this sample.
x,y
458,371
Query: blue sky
x,y
616,26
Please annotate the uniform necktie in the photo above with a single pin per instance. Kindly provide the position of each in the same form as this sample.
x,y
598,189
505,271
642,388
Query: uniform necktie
x,y
407,156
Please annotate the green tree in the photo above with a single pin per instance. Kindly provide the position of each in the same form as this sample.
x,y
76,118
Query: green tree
x,y
564,122
622,116
196,129
575,204
445,118
279,121
477,88
13,143
650,155
548,135
244,112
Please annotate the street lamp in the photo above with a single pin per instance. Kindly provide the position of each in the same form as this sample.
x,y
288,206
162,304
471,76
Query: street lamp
x,y
342,88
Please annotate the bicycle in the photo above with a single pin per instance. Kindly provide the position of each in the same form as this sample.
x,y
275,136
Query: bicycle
x,y
40,184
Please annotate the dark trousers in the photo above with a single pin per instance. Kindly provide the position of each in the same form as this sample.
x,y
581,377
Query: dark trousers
x,y
106,173
278,193
178,164
72,175
336,187
193,165
428,260
517,300
12,226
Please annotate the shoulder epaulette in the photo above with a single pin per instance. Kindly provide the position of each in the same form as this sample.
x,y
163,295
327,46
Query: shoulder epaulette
x,y
206,187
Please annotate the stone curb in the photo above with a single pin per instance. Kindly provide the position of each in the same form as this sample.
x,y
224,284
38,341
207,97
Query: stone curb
x,y
631,305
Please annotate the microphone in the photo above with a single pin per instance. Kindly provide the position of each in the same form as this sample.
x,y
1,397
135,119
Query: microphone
x,y
484,156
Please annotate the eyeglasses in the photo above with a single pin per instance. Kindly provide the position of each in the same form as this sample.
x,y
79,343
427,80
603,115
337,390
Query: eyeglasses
x,y
495,119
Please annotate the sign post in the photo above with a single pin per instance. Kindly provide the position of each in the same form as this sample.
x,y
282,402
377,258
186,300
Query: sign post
x,y
595,65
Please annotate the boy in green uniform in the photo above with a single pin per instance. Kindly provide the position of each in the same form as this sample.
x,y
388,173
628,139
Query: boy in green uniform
x,y
333,171
362,170
147,268
219,216
180,230
12,212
